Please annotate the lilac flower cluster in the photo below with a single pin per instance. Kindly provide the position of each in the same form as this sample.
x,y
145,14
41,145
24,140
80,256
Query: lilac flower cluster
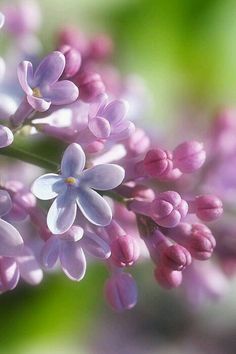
x,y
117,195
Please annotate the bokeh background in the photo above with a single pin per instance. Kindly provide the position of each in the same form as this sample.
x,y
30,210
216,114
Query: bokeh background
x,y
185,51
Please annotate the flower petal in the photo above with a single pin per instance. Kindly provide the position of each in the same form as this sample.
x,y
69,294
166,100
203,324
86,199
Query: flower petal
x,y
125,133
103,177
25,76
73,260
9,274
50,252
115,111
95,245
11,241
48,186
6,136
39,104
5,202
62,213
49,69
62,92
94,207
2,19
73,161
100,127
29,267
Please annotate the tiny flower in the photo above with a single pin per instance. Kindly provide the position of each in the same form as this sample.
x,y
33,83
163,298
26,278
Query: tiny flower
x,y
167,277
11,242
43,87
23,265
176,257
108,120
124,251
69,249
168,209
90,85
202,242
189,156
73,61
75,187
158,163
208,207
121,291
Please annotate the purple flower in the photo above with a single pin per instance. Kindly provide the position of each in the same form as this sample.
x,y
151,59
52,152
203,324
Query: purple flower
x,y
75,187
69,249
11,242
16,259
108,120
43,87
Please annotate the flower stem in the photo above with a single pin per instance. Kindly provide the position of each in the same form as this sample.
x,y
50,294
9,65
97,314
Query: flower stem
x,y
26,156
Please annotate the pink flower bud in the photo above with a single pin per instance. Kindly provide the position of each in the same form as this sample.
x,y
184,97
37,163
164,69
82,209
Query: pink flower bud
x,y
176,257
208,207
121,291
101,47
189,156
73,61
202,242
124,251
168,209
158,163
90,86
168,278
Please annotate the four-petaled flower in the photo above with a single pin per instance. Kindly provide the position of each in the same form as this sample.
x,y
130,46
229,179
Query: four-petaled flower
x,y
77,187
42,87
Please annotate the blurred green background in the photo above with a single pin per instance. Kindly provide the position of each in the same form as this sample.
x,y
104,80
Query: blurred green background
x,y
185,50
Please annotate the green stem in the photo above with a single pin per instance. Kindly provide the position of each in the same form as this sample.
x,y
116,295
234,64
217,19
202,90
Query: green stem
x,y
29,157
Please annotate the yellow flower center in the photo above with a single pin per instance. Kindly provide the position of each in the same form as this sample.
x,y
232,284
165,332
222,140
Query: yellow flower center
x,y
70,180
37,92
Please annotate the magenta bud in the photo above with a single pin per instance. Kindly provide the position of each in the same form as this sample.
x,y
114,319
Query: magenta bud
x,y
168,209
121,291
201,242
176,257
90,86
124,251
158,163
189,156
73,61
168,278
208,207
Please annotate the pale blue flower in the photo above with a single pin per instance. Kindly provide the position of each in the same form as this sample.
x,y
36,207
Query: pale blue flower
x,y
75,187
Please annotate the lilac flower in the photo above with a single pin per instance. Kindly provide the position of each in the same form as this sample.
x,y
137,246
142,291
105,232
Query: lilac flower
x,y
76,187
108,120
43,87
15,258
11,242
69,249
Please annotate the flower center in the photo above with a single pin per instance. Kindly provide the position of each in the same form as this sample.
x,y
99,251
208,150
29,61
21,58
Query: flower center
x,y
37,92
70,180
